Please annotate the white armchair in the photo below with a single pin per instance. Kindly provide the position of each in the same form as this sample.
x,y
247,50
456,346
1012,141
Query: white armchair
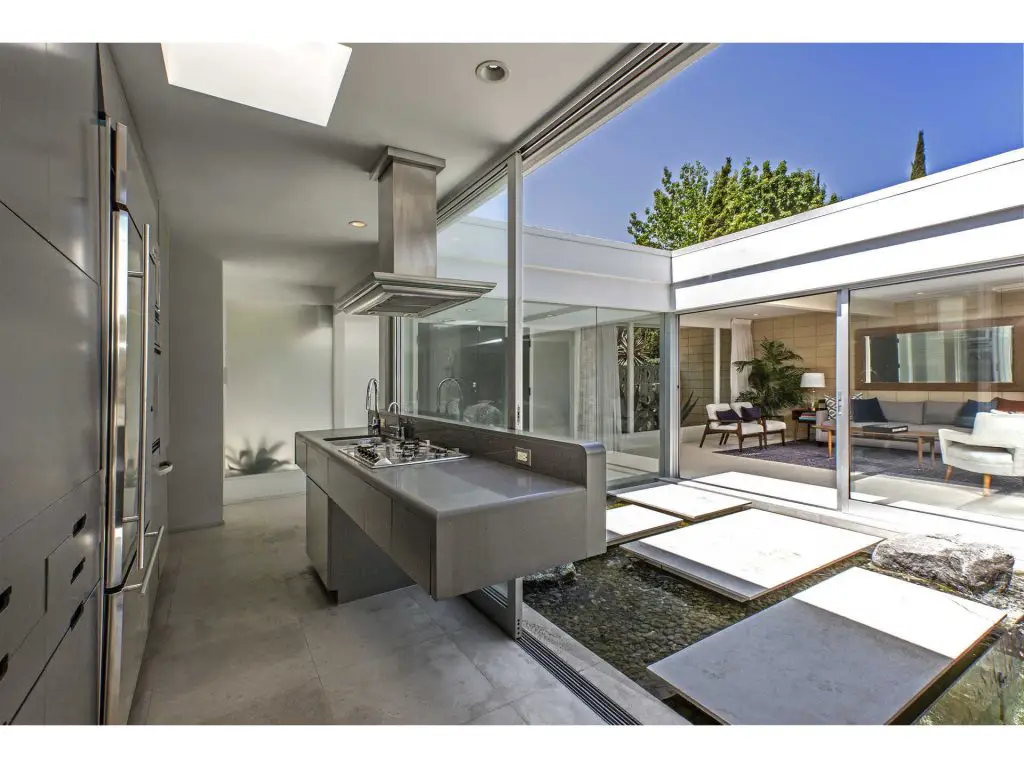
x,y
742,429
995,447
769,426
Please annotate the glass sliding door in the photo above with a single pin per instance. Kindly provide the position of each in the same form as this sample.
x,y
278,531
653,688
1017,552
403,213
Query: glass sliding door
x,y
758,387
937,415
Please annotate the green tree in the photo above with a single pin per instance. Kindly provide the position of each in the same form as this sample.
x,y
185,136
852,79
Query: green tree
x,y
917,169
696,207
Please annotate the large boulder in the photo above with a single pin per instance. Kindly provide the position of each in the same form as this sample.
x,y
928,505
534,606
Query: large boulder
x,y
967,566
560,574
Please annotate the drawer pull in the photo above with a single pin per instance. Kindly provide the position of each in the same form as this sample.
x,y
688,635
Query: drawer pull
x,y
78,570
76,616
5,599
4,662
79,525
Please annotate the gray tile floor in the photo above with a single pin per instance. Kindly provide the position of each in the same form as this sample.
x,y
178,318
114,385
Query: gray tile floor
x,y
243,633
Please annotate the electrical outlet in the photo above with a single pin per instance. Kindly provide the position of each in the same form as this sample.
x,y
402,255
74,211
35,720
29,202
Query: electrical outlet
x,y
523,456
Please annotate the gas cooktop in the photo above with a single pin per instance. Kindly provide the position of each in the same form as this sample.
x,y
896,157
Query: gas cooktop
x,y
377,452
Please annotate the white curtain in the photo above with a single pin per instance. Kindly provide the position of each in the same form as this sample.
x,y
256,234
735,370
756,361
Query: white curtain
x,y
742,349
598,412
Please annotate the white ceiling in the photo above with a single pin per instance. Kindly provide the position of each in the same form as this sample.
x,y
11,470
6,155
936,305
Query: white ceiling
x,y
276,193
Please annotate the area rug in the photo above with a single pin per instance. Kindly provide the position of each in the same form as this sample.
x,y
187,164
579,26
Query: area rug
x,y
895,462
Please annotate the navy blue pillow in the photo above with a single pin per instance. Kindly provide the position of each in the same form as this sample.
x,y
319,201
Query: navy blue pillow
x,y
866,409
750,414
728,415
970,409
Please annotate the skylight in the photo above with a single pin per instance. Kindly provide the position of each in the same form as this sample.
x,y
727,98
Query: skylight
x,y
298,80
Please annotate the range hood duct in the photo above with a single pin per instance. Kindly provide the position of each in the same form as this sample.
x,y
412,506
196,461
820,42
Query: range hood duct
x,y
406,283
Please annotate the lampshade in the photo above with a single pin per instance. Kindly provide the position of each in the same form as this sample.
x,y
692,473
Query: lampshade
x,y
812,380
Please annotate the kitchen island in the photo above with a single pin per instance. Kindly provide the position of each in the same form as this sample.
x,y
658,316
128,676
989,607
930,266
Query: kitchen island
x,y
451,526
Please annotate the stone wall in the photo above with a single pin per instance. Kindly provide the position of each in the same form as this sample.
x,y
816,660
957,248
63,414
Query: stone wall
x,y
697,364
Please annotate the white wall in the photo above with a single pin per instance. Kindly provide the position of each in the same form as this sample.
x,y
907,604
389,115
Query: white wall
x,y
277,371
195,331
356,340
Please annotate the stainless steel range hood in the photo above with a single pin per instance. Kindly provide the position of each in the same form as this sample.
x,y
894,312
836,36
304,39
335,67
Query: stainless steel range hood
x,y
407,283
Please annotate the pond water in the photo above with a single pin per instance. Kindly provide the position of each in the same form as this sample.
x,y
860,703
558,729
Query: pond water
x,y
633,614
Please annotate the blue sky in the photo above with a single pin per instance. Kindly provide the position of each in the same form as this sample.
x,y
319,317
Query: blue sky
x,y
851,112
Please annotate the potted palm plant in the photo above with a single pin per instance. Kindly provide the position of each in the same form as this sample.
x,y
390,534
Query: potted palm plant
x,y
774,383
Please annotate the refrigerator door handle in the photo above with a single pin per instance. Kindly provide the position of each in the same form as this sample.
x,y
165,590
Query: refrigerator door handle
x,y
144,584
140,500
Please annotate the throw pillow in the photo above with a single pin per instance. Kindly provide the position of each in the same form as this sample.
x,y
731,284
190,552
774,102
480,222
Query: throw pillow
x,y
1009,406
728,415
751,414
971,409
866,409
832,404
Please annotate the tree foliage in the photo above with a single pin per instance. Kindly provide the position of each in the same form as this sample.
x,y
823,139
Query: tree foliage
x,y
917,170
695,207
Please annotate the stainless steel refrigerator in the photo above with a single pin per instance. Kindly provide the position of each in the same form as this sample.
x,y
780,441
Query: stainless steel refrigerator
x,y
134,457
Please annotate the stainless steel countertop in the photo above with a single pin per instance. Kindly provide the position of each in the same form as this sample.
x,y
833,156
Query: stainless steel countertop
x,y
448,488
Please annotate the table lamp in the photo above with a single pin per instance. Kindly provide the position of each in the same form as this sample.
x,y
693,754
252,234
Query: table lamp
x,y
812,381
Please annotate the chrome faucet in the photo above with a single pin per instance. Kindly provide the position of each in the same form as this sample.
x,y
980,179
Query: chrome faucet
x,y
372,411
441,385
393,406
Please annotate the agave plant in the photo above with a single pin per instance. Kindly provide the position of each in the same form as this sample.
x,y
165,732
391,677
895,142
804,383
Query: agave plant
x,y
687,408
255,462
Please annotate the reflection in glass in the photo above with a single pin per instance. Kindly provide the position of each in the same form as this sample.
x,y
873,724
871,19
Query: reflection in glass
x,y
931,359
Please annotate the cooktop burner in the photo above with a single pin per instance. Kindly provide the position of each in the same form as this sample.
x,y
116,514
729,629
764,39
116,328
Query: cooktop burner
x,y
376,452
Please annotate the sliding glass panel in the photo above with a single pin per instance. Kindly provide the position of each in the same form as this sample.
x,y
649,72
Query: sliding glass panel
x,y
453,362
757,383
937,375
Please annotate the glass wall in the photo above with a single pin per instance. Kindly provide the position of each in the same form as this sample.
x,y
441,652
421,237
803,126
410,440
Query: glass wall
x,y
755,382
453,363
277,381
937,372
576,382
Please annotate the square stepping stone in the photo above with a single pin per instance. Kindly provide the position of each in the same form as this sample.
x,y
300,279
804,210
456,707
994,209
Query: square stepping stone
x,y
691,504
750,553
858,648
632,522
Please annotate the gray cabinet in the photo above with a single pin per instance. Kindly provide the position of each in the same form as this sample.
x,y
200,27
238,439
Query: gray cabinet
x,y
49,144
317,531
72,674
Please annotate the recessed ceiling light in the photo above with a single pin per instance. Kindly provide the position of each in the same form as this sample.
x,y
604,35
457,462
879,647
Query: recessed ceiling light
x,y
357,224
756,314
492,71
298,80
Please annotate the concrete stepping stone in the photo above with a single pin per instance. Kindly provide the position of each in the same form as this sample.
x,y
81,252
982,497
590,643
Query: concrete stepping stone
x,y
691,504
750,553
858,648
631,522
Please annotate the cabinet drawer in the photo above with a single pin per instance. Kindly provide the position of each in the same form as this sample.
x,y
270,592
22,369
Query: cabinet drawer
x,y
72,676
361,500
19,669
411,543
316,466
33,711
22,582
340,484
72,571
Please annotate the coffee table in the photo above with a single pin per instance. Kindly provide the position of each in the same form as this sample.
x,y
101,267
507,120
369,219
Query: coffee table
x,y
921,438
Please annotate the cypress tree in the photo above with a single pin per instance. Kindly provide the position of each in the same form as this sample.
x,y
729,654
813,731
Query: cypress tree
x,y
917,169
